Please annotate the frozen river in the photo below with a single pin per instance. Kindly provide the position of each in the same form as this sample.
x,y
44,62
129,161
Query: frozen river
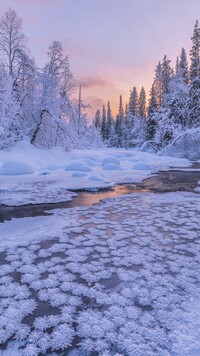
x,y
120,277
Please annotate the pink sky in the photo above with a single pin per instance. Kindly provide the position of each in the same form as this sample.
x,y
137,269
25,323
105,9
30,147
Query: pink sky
x,y
112,45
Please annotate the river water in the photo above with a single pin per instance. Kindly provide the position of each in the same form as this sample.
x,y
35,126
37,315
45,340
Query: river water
x,y
162,182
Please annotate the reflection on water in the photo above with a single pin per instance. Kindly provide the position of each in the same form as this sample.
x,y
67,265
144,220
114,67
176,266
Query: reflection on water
x,y
163,181
84,198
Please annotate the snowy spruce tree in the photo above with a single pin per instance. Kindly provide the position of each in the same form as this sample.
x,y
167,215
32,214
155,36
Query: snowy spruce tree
x,y
158,85
104,124
194,99
142,104
109,125
152,111
97,119
183,70
133,102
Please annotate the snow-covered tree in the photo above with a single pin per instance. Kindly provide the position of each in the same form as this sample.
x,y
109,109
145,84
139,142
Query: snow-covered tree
x,y
172,118
195,53
194,100
183,66
10,129
16,64
142,104
56,83
120,125
166,75
12,42
109,122
138,132
158,84
103,124
133,102
97,119
194,103
152,110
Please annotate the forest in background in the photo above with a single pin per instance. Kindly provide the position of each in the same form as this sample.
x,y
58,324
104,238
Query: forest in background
x,y
37,102
172,111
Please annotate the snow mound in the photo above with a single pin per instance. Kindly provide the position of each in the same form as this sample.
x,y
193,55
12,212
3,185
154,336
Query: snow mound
x,y
15,168
141,166
89,162
78,174
77,166
96,177
111,166
107,160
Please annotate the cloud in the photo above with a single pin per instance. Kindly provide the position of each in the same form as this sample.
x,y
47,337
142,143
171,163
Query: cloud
x,y
90,82
94,101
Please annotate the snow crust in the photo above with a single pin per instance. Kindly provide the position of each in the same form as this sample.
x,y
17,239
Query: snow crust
x,y
119,278
29,175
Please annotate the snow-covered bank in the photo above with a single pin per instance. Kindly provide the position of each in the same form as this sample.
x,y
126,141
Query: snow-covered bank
x,y
121,277
29,175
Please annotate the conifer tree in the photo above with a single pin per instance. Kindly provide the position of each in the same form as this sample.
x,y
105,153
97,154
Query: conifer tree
x,y
119,125
183,66
177,67
166,75
109,121
195,53
194,100
103,124
158,84
133,102
142,104
97,119
152,108
121,109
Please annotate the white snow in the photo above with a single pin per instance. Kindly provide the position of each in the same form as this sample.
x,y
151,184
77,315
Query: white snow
x,y
77,166
110,166
15,168
48,175
142,166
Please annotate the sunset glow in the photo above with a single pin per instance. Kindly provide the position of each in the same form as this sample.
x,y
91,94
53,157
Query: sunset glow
x,y
112,45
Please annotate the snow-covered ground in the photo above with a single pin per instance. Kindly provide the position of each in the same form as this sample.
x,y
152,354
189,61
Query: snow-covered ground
x,y
119,278
29,175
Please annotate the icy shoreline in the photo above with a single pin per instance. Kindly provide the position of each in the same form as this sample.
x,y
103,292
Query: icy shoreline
x,y
30,175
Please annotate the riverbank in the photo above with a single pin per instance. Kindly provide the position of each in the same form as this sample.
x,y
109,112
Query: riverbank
x,y
30,175
161,182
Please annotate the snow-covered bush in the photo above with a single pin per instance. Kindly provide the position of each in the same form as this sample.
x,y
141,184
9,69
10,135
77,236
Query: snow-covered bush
x,y
186,145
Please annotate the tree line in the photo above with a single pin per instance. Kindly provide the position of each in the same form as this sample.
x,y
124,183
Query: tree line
x,y
173,106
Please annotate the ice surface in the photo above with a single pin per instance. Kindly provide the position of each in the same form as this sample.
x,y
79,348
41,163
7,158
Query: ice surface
x,y
103,279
